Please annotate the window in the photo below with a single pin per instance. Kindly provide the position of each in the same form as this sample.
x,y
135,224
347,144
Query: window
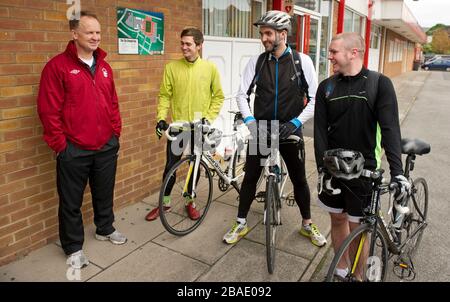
x,y
232,18
354,22
396,51
375,34
309,4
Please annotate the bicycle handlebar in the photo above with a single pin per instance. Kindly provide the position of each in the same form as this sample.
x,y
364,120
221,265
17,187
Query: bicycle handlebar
x,y
188,125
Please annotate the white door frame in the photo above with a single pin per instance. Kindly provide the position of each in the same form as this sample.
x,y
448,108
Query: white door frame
x,y
298,10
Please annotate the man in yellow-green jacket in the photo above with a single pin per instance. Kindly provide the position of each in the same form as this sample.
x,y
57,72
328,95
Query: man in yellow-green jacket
x,y
191,89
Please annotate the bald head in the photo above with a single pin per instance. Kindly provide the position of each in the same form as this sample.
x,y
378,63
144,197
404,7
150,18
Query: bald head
x,y
352,41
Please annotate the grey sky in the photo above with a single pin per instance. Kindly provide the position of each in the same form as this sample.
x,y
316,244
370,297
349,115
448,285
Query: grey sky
x,y
430,12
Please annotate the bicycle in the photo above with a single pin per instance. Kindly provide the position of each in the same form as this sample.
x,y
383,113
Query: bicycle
x,y
191,179
275,173
365,253
236,163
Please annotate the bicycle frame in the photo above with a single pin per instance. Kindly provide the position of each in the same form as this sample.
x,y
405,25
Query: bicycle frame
x,y
200,153
375,218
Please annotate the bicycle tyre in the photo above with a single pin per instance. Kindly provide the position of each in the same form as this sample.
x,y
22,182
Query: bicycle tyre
x,y
270,221
184,225
346,245
419,211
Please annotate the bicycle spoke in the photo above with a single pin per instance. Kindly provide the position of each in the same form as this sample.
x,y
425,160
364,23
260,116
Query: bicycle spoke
x,y
181,220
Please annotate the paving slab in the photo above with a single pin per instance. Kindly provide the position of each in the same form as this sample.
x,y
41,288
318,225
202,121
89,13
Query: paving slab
x,y
153,263
205,242
47,264
246,261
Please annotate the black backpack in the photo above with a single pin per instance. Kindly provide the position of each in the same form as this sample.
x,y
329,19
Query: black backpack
x,y
371,88
296,61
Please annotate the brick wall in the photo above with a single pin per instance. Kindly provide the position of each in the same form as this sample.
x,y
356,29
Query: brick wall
x,y
32,32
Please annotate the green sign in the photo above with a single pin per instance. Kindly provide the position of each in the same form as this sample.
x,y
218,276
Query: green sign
x,y
140,32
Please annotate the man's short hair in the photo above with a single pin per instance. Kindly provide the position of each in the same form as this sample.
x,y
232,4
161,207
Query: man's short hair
x,y
352,40
195,33
73,24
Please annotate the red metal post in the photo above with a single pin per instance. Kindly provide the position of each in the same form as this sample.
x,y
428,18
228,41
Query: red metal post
x,y
306,34
299,27
340,21
368,25
277,4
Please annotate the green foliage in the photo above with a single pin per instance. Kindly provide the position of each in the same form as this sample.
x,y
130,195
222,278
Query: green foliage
x,y
441,41
434,28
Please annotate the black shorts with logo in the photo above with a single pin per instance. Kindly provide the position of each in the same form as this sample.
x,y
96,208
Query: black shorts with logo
x,y
354,197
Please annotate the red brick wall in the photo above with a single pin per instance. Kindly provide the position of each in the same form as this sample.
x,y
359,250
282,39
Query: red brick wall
x,y
31,32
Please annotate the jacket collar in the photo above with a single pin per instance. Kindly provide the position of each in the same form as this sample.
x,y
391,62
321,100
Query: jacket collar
x,y
288,50
71,50
363,73
199,59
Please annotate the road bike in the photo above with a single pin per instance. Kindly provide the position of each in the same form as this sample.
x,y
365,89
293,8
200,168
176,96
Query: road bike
x,y
365,253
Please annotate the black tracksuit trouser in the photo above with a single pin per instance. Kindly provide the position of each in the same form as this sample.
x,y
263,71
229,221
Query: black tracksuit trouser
x,y
74,168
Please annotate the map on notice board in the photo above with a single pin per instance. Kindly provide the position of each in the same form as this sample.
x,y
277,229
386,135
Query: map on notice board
x,y
140,32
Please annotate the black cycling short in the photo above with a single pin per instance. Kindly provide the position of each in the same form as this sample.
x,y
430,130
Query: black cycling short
x,y
354,197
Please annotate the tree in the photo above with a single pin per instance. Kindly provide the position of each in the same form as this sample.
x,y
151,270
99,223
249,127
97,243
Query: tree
x,y
438,26
441,42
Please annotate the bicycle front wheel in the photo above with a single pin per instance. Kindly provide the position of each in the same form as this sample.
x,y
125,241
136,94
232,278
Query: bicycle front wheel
x,y
418,215
271,220
182,210
363,256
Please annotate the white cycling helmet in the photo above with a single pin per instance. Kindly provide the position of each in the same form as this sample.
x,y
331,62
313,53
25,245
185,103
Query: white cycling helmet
x,y
344,164
276,19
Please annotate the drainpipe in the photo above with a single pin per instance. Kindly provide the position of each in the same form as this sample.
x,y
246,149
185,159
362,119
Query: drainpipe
x,y
340,21
367,39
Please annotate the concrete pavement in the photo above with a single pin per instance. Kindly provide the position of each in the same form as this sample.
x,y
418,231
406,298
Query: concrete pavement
x,y
152,254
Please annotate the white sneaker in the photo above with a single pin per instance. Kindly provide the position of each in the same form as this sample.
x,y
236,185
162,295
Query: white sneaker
x,y
312,231
115,237
77,260
236,232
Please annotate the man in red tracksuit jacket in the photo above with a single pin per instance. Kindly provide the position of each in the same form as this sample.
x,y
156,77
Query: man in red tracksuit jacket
x,y
78,107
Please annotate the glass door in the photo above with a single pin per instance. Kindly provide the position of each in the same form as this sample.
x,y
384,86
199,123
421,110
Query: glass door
x,y
305,36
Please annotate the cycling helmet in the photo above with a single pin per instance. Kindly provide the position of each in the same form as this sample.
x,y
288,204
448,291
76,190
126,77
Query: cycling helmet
x,y
345,164
276,19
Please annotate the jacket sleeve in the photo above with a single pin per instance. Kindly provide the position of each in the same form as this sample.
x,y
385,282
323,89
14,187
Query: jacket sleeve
x,y
49,106
165,95
320,125
217,95
311,79
116,121
246,81
387,112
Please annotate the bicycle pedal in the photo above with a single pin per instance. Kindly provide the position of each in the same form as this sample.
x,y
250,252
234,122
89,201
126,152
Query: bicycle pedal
x,y
290,200
260,196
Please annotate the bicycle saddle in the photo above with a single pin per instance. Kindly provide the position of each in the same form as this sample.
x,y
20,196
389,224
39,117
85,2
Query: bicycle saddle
x,y
415,146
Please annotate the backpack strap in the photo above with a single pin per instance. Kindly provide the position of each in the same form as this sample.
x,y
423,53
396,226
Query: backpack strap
x,y
372,88
331,84
259,65
301,80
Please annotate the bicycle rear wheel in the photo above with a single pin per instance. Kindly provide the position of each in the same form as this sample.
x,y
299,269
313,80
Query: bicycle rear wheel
x,y
177,185
362,255
418,215
271,221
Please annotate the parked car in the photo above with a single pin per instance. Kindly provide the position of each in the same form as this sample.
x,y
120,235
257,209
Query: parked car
x,y
438,64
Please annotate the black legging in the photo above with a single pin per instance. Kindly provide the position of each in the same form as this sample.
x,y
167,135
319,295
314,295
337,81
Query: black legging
x,y
172,158
296,169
